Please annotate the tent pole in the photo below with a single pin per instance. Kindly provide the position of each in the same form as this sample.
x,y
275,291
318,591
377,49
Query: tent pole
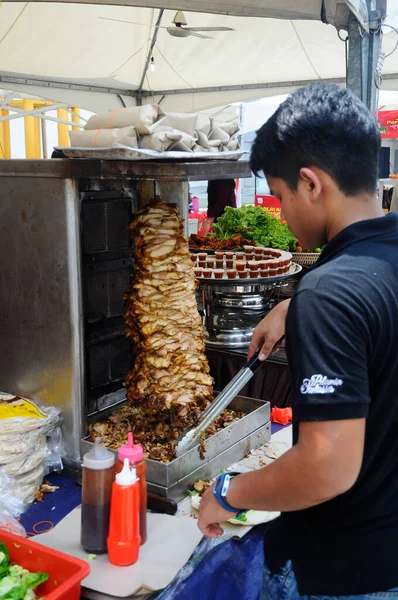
x,y
6,135
37,137
44,138
63,135
2,142
75,117
30,147
149,55
363,54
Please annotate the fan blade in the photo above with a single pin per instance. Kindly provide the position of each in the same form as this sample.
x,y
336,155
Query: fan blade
x,y
130,22
205,37
210,28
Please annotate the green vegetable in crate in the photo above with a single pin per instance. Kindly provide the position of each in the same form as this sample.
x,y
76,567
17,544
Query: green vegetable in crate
x,y
4,559
17,583
254,223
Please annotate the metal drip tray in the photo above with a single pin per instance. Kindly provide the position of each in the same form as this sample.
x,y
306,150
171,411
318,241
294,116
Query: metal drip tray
x,y
222,449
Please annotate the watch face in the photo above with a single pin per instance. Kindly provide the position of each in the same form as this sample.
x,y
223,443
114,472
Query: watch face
x,y
225,487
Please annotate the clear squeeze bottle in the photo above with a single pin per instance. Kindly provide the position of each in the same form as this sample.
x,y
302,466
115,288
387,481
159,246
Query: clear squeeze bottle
x,y
135,454
124,527
98,475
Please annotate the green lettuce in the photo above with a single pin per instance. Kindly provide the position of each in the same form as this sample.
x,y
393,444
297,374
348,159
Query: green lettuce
x,y
26,578
17,583
254,223
4,559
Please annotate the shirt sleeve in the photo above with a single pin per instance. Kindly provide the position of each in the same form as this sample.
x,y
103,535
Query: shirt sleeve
x,y
327,347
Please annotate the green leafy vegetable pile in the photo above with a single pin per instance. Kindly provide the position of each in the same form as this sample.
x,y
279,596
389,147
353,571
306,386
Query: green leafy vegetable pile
x,y
16,583
254,223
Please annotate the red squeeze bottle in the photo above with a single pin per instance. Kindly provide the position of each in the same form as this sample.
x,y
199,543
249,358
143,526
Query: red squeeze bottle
x,y
124,528
135,454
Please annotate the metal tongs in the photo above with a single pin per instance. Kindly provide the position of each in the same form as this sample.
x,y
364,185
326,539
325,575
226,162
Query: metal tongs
x,y
192,437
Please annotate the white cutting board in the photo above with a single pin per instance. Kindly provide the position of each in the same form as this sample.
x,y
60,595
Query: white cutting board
x,y
170,543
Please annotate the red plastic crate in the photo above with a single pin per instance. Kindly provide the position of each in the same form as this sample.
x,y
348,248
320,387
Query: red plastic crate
x,y
66,572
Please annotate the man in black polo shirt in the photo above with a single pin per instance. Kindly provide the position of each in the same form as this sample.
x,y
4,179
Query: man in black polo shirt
x,y
337,488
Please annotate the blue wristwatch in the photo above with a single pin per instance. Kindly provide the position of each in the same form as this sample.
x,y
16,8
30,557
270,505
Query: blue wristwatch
x,y
220,490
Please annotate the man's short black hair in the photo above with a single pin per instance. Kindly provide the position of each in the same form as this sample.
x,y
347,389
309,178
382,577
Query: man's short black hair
x,y
324,126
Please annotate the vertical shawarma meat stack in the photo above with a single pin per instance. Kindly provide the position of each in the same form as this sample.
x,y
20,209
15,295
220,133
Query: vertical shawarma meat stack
x,y
170,369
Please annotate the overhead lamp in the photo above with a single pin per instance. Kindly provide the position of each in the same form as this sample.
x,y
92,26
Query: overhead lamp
x,y
152,65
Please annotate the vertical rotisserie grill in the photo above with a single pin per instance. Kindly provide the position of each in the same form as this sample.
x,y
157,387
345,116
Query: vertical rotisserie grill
x,y
170,375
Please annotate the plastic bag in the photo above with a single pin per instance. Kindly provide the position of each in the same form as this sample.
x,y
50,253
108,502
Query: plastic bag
x,y
10,505
205,226
11,525
282,416
55,452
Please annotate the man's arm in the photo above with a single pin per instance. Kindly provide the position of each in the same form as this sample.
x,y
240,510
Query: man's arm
x,y
328,344
269,331
323,464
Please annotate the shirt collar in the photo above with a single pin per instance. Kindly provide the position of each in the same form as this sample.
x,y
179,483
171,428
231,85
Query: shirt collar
x,y
362,230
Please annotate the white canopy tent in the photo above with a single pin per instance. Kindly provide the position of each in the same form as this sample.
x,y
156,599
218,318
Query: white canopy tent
x,y
72,52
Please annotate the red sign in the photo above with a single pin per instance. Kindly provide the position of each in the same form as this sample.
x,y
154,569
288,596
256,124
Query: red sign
x,y
388,121
271,203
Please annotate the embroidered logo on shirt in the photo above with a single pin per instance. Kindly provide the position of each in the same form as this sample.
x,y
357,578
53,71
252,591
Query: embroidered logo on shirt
x,y
320,384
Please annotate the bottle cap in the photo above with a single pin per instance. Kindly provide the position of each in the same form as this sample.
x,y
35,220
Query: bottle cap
x,y
99,458
126,476
133,452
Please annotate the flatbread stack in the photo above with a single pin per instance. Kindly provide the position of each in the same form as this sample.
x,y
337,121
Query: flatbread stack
x,y
23,443
150,128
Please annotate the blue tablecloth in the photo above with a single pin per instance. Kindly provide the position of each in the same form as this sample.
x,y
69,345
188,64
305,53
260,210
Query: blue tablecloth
x,y
43,516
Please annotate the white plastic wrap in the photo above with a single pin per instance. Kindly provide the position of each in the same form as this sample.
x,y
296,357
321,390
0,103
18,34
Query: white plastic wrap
x,y
11,525
120,152
10,504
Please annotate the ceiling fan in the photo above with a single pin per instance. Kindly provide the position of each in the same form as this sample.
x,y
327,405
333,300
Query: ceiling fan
x,y
179,28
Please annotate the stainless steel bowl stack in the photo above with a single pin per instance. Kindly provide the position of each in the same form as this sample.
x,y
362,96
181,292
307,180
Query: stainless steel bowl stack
x,y
237,289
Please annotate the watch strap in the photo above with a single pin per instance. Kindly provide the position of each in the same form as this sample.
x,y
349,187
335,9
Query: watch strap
x,y
220,490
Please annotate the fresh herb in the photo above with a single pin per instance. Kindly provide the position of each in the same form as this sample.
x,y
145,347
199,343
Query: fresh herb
x,y
17,583
241,517
4,559
193,493
254,223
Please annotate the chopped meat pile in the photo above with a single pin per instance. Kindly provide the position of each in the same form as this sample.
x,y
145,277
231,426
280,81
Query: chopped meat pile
x,y
201,486
208,243
155,434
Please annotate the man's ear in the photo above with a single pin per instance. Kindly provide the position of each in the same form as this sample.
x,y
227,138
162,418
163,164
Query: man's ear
x,y
310,183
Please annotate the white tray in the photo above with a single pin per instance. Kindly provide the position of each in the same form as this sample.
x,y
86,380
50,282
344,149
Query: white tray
x,y
170,543
128,153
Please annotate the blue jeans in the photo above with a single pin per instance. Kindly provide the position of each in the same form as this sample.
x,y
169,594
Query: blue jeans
x,y
283,586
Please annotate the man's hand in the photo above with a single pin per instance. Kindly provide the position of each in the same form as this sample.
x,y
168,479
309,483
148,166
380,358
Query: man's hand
x,y
211,514
269,331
